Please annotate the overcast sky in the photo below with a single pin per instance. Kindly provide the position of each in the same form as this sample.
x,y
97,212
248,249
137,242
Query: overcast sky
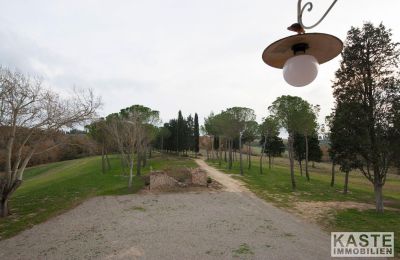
x,y
197,56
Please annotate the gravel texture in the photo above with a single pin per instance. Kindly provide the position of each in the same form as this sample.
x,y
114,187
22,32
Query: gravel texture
x,y
226,224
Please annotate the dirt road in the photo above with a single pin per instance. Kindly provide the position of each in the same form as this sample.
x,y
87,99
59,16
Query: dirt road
x,y
232,223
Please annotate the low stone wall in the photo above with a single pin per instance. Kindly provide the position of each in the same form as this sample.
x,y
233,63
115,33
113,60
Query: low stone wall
x,y
199,177
161,180
164,180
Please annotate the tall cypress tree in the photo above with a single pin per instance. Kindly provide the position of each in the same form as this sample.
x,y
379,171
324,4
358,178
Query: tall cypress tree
x,y
196,134
189,133
180,138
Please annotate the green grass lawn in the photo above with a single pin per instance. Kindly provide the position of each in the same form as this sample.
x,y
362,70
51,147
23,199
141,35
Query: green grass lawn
x,y
275,186
51,189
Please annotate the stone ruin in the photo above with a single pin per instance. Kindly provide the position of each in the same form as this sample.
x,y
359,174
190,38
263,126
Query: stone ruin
x,y
169,179
199,177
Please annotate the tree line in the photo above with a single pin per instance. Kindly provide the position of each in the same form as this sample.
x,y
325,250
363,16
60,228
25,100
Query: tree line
x,y
59,146
230,129
135,131
180,135
364,127
130,133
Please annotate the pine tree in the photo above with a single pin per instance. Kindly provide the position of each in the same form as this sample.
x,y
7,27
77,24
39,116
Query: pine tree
x,y
367,93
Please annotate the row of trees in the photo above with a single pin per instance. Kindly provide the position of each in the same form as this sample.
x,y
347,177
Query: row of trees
x,y
134,132
30,117
231,128
364,125
299,118
179,135
236,126
131,133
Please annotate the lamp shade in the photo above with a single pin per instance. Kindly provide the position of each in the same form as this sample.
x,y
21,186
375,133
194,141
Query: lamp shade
x,y
300,70
323,47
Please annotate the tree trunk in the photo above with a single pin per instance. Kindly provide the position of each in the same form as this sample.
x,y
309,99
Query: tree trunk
x,y
122,164
249,156
103,162
230,155
240,154
4,208
162,143
225,148
333,174
5,196
269,161
138,164
378,198
212,147
346,183
301,168
220,151
108,161
144,158
291,159
262,154
307,174
130,173
249,152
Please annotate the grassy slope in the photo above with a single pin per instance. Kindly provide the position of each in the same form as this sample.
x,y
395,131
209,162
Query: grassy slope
x,y
274,185
51,189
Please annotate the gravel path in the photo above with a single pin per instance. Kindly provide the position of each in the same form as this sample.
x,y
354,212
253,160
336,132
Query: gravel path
x,y
232,223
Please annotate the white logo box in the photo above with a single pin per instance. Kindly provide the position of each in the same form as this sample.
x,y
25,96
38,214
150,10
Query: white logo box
x,y
362,244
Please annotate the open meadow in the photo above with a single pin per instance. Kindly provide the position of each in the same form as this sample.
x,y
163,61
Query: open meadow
x,y
51,189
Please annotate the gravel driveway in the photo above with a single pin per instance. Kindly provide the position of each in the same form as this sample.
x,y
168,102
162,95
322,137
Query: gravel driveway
x,y
231,223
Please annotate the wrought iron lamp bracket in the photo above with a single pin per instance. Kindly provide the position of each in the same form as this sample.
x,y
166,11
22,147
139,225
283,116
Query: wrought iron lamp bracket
x,y
309,6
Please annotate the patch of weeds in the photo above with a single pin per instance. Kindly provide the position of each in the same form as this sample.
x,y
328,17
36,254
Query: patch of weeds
x,y
213,252
244,249
288,235
138,208
263,228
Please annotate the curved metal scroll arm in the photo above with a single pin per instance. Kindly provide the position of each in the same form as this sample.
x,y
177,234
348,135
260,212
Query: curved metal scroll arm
x,y
301,9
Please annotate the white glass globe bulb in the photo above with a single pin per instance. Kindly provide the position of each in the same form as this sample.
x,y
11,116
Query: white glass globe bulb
x,y
300,70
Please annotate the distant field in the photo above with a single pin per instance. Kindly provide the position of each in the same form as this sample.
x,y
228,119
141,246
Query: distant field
x,y
51,189
321,203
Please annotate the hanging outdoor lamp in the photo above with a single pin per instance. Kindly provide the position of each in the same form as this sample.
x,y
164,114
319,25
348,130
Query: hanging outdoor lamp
x,y
300,55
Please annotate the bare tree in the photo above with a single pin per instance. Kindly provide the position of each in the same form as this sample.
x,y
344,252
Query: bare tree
x,y
115,130
132,129
28,112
